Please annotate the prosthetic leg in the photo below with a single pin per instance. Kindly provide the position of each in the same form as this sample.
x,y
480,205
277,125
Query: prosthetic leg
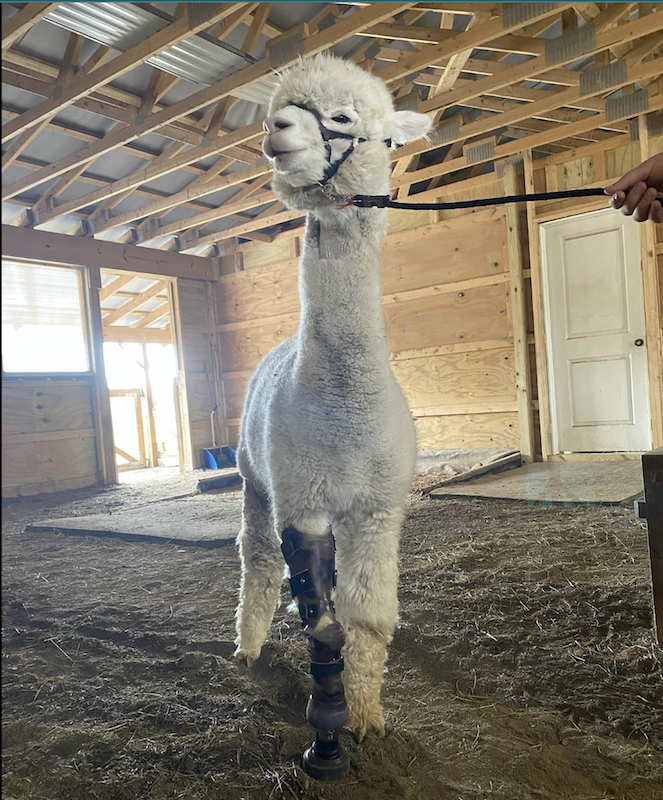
x,y
311,562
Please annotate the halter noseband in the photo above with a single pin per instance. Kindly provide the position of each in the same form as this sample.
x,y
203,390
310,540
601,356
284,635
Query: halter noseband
x,y
327,134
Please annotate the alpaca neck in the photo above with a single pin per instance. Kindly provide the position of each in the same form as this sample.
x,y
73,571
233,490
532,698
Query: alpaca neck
x,y
342,329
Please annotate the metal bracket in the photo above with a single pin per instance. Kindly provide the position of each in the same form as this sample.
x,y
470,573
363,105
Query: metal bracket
x,y
628,105
569,45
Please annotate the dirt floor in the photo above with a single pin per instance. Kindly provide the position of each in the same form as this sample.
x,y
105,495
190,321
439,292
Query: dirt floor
x,y
524,666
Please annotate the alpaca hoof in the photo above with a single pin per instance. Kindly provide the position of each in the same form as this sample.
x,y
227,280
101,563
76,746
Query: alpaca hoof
x,y
365,721
247,657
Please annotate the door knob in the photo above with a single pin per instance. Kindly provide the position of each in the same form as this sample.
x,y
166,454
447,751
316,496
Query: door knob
x,y
638,342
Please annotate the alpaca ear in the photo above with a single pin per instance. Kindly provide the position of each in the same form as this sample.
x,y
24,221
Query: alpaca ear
x,y
406,126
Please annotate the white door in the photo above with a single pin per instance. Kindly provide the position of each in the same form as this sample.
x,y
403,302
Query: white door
x,y
595,329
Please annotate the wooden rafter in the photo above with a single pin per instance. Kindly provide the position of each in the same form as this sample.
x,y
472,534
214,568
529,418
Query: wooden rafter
x,y
65,75
112,288
131,305
121,110
22,21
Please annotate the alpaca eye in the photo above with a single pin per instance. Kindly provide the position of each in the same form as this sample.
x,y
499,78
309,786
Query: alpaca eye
x,y
341,119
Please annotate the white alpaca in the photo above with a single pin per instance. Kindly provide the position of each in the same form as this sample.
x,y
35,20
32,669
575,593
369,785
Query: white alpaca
x,y
327,438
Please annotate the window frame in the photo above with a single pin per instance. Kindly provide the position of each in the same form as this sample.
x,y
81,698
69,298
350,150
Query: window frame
x,y
86,316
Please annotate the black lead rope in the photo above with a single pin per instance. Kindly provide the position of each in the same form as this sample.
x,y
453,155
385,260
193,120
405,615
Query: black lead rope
x,y
384,201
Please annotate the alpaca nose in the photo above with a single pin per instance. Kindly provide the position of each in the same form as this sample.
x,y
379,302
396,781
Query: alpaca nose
x,y
277,123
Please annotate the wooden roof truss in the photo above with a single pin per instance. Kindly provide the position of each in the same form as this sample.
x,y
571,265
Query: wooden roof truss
x,y
486,73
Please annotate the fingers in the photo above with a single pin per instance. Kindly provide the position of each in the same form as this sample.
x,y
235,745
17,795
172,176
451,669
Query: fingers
x,y
641,211
633,176
633,197
617,200
656,212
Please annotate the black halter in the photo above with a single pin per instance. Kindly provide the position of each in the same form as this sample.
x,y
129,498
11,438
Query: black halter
x,y
327,134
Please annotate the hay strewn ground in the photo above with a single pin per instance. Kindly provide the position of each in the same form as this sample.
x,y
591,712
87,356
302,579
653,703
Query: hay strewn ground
x,y
524,666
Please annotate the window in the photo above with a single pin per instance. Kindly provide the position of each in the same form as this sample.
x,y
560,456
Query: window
x,y
43,319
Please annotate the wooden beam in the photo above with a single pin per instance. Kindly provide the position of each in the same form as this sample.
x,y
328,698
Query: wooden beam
x,y
22,21
514,241
229,24
176,32
110,289
535,67
165,167
200,190
536,275
256,27
121,106
475,37
102,410
311,46
498,43
634,73
652,278
246,198
124,333
240,230
97,180
131,305
65,75
153,316
59,249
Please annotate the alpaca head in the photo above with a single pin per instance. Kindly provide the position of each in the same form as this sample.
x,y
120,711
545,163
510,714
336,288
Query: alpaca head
x,y
321,97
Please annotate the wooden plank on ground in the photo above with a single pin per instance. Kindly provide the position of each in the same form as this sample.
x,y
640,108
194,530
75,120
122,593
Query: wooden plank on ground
x,y
207,521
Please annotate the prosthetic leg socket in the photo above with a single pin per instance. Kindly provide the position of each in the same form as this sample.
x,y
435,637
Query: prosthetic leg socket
x,y
311,561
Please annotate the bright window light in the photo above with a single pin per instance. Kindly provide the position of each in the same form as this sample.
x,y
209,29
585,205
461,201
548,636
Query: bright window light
x,y
43,319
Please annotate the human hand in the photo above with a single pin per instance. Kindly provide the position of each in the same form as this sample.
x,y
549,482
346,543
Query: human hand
x,y
635,194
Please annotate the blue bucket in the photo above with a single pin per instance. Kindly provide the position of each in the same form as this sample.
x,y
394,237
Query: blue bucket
x,y
219,457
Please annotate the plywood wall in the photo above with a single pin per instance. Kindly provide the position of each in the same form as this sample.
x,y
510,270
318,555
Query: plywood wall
x,y
447,312
49,441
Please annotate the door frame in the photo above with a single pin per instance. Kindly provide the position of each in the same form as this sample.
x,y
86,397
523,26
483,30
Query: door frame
x,y
653,334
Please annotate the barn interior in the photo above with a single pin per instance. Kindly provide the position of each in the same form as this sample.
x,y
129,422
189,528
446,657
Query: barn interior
x,y
147,267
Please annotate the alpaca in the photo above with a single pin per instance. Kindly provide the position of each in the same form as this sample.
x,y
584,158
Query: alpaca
x,y
327,441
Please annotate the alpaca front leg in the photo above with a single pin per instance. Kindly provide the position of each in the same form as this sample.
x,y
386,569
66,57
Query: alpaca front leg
x,y
262,575
367,607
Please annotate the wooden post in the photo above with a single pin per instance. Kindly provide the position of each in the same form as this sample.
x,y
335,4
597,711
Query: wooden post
x,y
513,185
653,310
652,469
153,454
186,446
216,367
103,422
545,422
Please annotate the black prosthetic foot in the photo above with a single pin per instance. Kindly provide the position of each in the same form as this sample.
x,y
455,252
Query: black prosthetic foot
x,y
325,759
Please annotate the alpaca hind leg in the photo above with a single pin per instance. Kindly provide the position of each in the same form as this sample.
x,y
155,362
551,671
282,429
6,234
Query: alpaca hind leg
x,y
262,574
367,606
